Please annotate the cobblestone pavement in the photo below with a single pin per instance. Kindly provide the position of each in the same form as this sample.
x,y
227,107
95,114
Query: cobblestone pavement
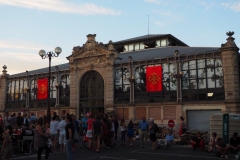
x,y
175,152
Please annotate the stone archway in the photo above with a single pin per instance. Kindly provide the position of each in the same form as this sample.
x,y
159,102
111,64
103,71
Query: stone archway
x,y
91,97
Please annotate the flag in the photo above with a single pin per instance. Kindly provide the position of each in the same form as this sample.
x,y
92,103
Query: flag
x,y
42,88
154,78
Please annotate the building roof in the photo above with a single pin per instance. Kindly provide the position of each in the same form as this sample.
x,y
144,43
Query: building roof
x,y
164,52
148,37
61,67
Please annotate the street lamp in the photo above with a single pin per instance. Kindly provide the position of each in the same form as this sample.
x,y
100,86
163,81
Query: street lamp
x,y
49,55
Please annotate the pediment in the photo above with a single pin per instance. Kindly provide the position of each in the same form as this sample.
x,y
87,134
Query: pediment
x,y
92,49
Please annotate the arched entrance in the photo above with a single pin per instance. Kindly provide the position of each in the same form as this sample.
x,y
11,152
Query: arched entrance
x,y
91,93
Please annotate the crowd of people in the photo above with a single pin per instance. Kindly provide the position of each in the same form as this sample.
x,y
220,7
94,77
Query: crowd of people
x,y
93,132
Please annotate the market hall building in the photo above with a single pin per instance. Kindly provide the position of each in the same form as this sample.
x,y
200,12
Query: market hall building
x,y
193,82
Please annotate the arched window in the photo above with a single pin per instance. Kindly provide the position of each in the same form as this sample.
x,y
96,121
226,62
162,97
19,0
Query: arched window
x,y
53,88
122,83
16,96
64,86
33,89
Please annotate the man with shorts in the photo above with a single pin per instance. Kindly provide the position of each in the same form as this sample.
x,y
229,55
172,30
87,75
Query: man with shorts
x,y
97,132
62,135
54,132
89,131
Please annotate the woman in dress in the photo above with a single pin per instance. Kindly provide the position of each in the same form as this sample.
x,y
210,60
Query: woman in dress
x,y
6,147
40,140
130,133
212,142
69,128
183,126
123,128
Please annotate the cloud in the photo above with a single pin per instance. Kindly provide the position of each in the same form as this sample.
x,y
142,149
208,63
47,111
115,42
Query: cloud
x,y
233,6
206,5
158,23
62,7
19,45
154,1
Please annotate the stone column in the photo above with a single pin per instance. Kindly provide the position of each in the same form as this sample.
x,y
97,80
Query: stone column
x,y
230,62
3,90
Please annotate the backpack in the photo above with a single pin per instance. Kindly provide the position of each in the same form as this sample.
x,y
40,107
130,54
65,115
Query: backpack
x,y
155,127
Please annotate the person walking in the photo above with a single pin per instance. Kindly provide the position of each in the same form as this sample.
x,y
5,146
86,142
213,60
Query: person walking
x,y
143,126
54,132
6,120
123,129
19,120
116,126
97,132
105,132
6,150
69,128
183,126
130,133
40,138
152,132
62,135
89,131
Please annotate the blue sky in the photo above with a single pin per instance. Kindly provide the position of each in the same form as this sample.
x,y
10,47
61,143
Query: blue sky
x,y
26,26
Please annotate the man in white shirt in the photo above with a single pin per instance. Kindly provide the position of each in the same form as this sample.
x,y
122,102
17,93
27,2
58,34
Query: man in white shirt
x,y
54,131
62,135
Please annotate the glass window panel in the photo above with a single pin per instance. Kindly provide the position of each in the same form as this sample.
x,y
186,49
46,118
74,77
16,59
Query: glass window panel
x,y
192,64
130,47
218,63
12,90
185,66
158,43
193,74
202,83
17,90
210,63
201,73
219,71
172,68
21,87
166,85
142,46
201,63
219,82
210,72
136,47
185,83
193,84
9,91
140,78
211,83
163,42
125,48
173,84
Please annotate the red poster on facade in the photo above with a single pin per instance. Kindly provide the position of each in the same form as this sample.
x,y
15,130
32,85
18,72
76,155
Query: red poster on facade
x,y
42,88
154,78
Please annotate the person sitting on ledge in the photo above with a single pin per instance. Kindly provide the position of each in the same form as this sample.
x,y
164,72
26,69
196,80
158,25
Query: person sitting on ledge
x,y
169,139
235,143
221,148
197,142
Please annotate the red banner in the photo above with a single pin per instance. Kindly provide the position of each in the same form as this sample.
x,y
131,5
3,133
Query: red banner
x,y
154,78
42,88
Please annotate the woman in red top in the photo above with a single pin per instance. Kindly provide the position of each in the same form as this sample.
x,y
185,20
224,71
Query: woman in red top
x,y
89,130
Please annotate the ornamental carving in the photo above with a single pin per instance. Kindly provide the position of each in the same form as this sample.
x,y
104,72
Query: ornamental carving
x,y
93,53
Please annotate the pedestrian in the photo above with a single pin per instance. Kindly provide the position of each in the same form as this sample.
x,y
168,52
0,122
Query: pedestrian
x,y
40,138
6,120
143,126
112,131
19,120
25,120
235,143
116,126
75,124
13,120
221,149
6,150
54,131
69,128
97,132
152,133
84,123
62,135
105,132
33,118
123,129
89,131
182,127
130,133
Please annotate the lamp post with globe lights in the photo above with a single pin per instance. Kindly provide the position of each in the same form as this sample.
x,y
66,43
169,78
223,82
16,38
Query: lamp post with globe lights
x,y
49,55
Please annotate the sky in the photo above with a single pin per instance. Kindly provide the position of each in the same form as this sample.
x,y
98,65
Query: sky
x,y
27,26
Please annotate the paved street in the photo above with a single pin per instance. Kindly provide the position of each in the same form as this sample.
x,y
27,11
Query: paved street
x,y
177,152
